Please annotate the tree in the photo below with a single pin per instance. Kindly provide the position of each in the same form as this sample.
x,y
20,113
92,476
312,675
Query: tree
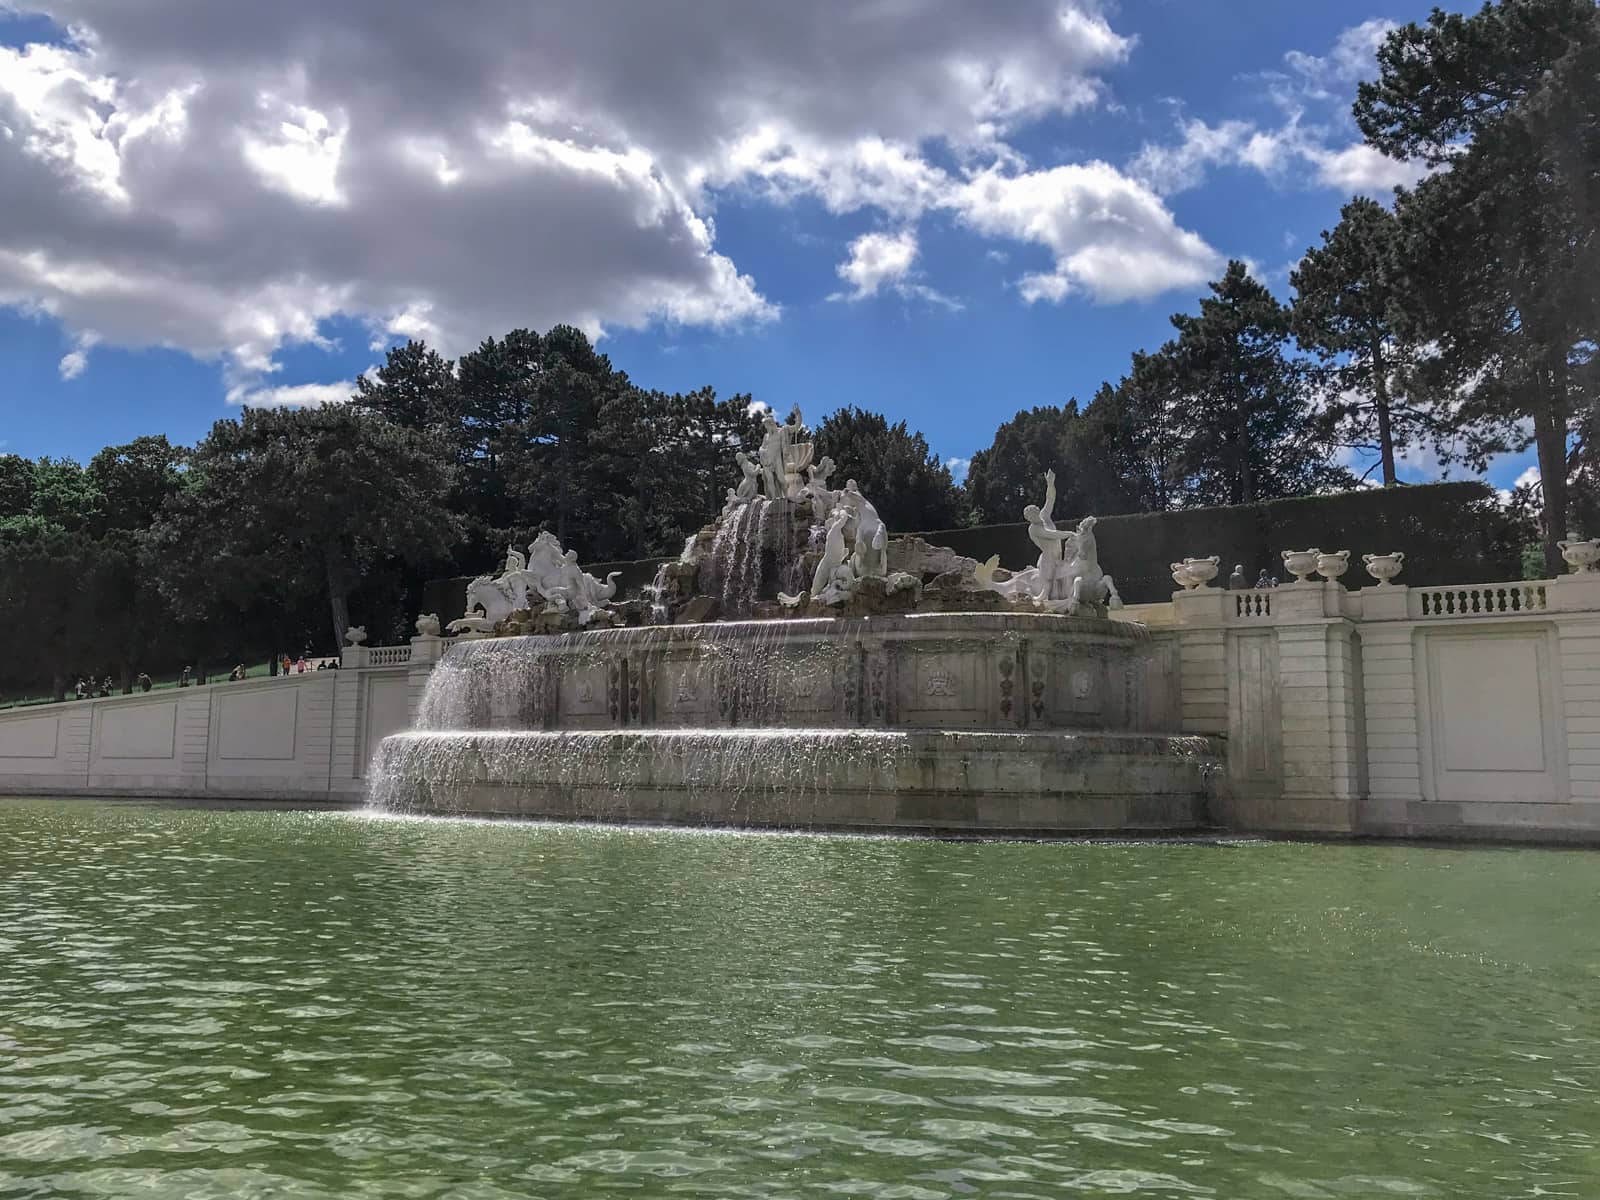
x,y
415,388
134,482
662,465
1131,441
1009,474
1349,311
1249,433
894,468
1500,247
290,503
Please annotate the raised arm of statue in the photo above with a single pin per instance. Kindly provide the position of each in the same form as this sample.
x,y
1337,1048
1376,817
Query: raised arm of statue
x,y
1045,513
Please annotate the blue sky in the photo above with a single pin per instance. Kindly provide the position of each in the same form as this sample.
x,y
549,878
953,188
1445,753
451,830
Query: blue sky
x,y
939,210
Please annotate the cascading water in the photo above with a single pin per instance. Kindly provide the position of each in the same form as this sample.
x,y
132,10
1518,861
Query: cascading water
x,y
655,596
858,723
959,718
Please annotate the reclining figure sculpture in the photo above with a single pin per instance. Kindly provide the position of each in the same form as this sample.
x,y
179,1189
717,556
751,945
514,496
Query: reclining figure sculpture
x,y
548,575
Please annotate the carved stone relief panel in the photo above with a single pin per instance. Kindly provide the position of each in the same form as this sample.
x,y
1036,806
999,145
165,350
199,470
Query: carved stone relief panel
x,y
688,692
942,684
583,694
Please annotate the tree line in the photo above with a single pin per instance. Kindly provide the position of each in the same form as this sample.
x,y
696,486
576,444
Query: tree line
x,y
1461,320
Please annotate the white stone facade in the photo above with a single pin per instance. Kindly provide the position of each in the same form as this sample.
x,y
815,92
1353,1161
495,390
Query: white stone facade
x,y
1454,712
293,737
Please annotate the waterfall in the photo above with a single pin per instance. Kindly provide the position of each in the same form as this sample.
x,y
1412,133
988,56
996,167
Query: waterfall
x,y
660,612
733,568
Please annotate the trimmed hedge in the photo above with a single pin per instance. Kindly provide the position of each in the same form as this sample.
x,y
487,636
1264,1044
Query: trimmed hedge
x,y
1450,533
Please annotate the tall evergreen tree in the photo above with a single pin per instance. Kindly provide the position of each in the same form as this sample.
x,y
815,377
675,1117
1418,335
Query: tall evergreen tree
x,y
1250,433
1500,244
1348,309
415,388
1132,440
1008,475
287,503
895,469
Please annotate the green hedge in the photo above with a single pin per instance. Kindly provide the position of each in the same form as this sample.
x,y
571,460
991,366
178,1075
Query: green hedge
x,y
1450,533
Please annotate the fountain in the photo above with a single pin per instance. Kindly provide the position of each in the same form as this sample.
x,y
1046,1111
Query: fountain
x,y
797,666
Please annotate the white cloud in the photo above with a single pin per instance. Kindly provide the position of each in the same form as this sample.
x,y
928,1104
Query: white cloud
x,y
300,395
879,260
1169,169
1297,149
222,180
1360,168
958,468
1352,58
1109,235
76,361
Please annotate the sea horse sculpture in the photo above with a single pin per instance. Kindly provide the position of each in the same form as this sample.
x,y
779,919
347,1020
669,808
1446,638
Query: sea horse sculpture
x,y
1067,576
547,579
1089,584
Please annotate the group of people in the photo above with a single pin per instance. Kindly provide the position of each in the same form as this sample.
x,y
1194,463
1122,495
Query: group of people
x,y
86,688
1239,581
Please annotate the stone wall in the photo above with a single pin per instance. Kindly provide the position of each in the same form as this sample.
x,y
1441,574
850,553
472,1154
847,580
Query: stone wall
x,y
1452,712
293,737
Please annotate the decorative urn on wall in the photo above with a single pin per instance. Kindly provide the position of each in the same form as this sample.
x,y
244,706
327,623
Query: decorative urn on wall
x,y
1581,554
1384,567
1301,563
1202,570
1331,566
1182,577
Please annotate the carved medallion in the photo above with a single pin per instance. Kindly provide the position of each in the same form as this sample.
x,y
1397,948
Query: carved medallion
x,y
940,681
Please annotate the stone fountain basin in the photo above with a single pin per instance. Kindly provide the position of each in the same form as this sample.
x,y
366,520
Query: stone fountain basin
x,y
980,670
912,781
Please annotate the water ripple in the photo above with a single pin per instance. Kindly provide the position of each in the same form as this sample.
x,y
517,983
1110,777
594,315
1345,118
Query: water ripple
x,y
269,1004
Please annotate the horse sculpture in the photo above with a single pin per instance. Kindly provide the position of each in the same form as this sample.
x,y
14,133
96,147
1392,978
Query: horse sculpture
x,y
1089,584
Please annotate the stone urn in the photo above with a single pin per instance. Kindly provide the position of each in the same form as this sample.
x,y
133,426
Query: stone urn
x,y
1384,567
1581,555
1301,563
1331,566
1182,577
1201,570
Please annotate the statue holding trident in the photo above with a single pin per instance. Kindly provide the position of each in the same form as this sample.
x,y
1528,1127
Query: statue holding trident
x,y
784,458
774,450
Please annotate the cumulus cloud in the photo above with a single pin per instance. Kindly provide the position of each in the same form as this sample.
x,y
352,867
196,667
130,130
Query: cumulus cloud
x,y
958,468
886,260
876,259
1316,149
300,395
1109,235
224,179
76,361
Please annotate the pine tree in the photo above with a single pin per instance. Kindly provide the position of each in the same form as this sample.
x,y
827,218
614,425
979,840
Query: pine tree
x,y
1500,245
1349,310
1249,432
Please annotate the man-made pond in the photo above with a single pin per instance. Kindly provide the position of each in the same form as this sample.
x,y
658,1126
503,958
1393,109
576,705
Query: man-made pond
x,y
250,1004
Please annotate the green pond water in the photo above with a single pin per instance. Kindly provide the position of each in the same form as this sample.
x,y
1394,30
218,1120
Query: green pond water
x,y
199,1003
